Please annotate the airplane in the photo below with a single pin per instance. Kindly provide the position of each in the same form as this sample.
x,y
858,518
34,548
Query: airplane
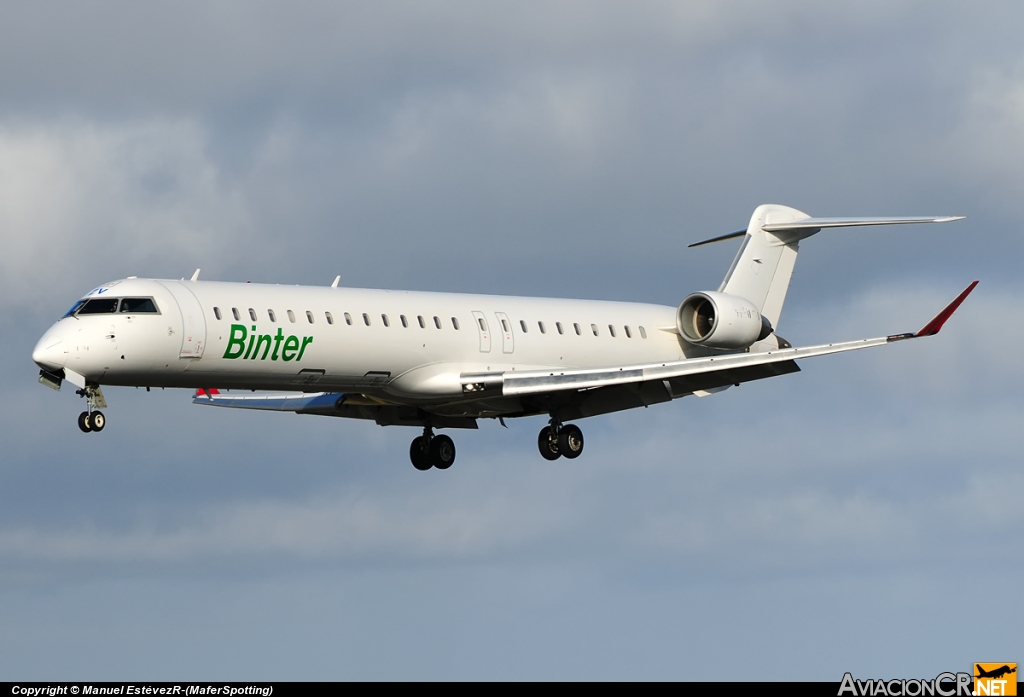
x,y
445,360
995,673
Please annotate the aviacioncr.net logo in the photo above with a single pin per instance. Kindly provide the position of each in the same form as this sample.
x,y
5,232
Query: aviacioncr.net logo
x,y
943,685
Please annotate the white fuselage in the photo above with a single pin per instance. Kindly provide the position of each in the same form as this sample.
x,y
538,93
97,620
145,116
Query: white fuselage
x,y
401,346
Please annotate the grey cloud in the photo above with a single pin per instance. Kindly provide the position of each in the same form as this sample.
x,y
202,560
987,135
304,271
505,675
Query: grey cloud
x,y
113,198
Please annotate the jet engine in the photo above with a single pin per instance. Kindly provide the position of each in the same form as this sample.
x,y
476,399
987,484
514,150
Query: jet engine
x,y
720,320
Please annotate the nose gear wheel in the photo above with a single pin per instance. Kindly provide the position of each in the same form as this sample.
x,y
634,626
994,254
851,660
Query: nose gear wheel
x,y
90,421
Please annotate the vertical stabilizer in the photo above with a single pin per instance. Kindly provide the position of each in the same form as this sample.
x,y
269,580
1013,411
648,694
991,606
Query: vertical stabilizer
x,y
762,268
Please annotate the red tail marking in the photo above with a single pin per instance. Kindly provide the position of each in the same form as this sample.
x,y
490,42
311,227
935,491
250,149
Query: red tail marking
x,y
935,325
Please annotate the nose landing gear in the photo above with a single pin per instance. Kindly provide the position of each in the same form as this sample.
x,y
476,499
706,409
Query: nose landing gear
x,y
428,451
557,440
92,419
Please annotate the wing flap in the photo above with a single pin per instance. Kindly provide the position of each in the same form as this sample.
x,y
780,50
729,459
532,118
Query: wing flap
x,y
524,383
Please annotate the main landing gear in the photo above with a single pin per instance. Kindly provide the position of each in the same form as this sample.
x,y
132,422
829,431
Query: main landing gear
x,y
558,440
429,451
92,419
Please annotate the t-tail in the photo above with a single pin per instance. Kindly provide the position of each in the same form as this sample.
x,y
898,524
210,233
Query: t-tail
x,y
762,269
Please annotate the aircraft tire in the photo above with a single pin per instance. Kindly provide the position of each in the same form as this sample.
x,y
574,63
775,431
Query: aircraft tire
x,y
442,452
97,421
547,445
84,422
419,456
570,441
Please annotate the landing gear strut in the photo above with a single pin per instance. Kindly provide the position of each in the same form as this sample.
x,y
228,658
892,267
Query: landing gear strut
x,y
92,419
557,440
428,451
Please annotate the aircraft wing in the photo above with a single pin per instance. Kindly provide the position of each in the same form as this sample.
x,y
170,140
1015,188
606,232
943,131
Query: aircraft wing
x,y
537,382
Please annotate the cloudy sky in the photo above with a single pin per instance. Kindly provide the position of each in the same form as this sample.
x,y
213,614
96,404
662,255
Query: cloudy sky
x,y
863,515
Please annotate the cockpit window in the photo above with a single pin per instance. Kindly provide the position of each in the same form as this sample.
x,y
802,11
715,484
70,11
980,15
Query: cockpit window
x,y
74,309
138,306
99,306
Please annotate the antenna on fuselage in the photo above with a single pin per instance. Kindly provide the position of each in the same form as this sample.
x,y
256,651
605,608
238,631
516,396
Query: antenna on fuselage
x,y
195,276
337,279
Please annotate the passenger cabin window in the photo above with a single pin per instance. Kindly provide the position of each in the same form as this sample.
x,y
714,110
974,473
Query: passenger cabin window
x,y
291,316
423,325
273,317
437,321
309,316
643,332
216,312
384,319
540,325
348,319
137,306
558,326
99,306
234,313
593,327
577,328
455,323
629,334
330,319
366,319
611,330
252,314
405,322
522,325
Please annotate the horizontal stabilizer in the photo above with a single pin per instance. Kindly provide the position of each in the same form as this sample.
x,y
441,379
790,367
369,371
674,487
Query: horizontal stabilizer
x,y
821,223
815,224
720,238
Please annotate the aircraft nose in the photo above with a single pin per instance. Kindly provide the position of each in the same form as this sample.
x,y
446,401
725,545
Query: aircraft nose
x,y
51,353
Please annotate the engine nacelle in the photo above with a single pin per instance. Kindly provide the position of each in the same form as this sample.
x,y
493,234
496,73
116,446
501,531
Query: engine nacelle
x,y
719,320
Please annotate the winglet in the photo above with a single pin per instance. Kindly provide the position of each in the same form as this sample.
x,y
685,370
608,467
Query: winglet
x,y
208,392
195,276
935,325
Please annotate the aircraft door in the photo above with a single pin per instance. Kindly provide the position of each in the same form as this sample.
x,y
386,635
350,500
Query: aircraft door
x,y
193,334
507,340
483,330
